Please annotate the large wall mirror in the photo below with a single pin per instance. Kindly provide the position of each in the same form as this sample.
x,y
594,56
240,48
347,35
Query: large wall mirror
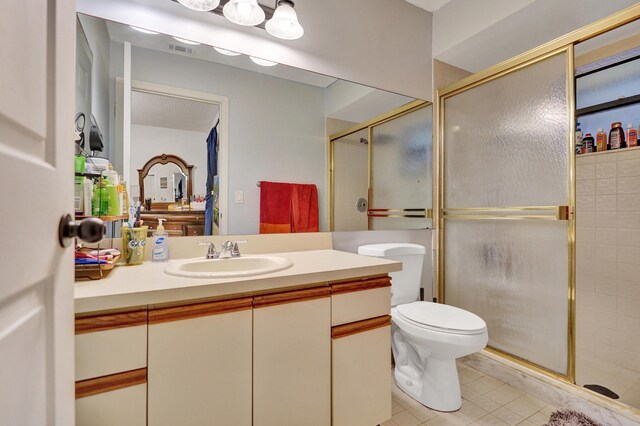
x,y
239,124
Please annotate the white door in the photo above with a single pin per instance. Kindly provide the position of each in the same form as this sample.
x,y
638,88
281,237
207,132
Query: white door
x,y
36,189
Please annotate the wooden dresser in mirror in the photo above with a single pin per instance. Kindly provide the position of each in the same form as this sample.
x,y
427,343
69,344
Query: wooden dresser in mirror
x,y
166,187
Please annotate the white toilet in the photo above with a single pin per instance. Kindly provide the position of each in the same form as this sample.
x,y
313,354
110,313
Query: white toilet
x,y
426,337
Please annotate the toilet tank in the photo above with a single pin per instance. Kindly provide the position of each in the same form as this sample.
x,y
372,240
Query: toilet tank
x,y
405,284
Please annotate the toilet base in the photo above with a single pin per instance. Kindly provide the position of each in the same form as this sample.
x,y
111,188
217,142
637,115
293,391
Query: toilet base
x,y
437,386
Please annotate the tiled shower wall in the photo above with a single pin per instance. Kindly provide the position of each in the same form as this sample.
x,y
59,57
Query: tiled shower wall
x,y
608,270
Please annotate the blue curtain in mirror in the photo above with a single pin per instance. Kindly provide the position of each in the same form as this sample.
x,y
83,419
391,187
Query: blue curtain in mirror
x,y
212,171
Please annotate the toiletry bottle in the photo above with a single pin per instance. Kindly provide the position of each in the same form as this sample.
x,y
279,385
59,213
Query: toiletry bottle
x,y
601,140
160,251
578,139
113,209
588,144
632,135
95,200
616,136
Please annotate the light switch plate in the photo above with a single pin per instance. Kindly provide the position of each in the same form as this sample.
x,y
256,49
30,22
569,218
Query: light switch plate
x,y
239,197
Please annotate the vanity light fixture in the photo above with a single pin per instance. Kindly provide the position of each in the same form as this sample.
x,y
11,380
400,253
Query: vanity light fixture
x,y
284,23
263,62
244,12
226,52
142,30
185,41
200,5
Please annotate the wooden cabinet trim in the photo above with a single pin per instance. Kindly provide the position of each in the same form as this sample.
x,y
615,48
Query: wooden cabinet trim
x,y
176,313
368,284
291,296
360,326
90,324
110,383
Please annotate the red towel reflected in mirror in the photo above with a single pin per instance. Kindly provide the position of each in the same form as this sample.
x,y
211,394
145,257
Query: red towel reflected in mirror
x,y
288,207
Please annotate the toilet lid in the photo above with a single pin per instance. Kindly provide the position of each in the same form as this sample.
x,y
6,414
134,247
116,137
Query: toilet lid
x,y
443,318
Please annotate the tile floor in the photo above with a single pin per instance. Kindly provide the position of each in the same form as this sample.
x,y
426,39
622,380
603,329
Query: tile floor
x,y
485,401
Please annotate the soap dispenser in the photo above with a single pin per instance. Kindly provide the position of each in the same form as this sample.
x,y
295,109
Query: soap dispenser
x,y
160,252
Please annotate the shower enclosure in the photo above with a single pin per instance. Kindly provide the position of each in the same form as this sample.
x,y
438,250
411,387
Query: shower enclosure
x,y
381,172
508,220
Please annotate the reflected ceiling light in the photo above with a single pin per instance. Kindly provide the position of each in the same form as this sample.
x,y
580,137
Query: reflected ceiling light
x,y
243,12
185,41
200,5
263,62
226,52
284,23
142,30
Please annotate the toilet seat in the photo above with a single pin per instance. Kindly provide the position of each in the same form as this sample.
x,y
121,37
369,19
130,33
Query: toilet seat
x,y
441,318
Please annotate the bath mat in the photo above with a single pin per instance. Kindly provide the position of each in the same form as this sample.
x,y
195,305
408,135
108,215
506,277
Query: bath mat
x,y
571,418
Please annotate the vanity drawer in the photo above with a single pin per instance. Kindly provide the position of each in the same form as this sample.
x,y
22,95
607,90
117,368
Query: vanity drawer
x,y
110,343
359,300
192,230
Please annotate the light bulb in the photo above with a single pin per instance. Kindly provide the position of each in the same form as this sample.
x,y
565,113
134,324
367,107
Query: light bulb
x,y
200,5
243,12
142,30
262,62
226,52
284,23
244,9
185,41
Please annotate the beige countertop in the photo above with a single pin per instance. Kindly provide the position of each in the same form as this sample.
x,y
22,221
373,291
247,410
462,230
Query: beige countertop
x,y
147,284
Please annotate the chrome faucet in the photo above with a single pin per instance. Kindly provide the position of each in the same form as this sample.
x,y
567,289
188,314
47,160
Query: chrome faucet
x,y
230,249
212,252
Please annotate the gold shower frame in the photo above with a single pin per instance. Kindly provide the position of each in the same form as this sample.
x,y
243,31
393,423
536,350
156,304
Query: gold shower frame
x,y
369,125
562,45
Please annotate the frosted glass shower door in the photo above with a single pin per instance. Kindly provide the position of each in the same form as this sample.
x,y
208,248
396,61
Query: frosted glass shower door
x,y
401,171
506,203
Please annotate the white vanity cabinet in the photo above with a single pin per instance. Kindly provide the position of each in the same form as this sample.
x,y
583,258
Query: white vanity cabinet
x,y
292,358
361,352
315,356
200,364
111,374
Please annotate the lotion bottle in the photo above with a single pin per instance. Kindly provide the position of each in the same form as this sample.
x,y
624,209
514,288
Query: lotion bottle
x,y
160,252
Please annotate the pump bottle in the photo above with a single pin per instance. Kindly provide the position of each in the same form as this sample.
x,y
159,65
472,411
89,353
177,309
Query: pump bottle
x,y
160,252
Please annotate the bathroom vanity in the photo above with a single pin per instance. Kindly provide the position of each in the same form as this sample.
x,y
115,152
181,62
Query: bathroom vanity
x,y
309,345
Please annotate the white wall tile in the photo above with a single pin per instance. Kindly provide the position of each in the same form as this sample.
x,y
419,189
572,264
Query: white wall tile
x,y
586,187
629,185
586,203
629,289
605,170
628,255
628,237
587,171
606,286
629,220
606,203
606,219
606,186
629,203
585,219
585,283
628,168
585,251
628,272
628,307
633,154
587,235
606,236
606,253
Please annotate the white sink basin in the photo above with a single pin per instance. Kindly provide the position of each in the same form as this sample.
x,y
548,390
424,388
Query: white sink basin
x,y
232,267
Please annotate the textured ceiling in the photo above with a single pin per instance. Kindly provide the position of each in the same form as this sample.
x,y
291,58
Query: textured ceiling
x,y
149,109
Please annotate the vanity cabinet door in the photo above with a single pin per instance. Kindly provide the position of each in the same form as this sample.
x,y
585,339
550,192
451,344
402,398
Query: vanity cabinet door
x,y
292,358
200,364
115,400
361,374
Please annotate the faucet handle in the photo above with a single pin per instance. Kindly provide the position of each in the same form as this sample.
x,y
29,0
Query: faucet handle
x,y
212,252
235,252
